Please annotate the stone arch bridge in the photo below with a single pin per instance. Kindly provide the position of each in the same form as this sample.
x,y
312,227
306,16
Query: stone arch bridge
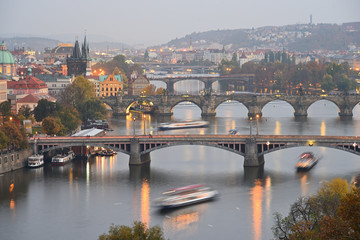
x,y
251,148
163,105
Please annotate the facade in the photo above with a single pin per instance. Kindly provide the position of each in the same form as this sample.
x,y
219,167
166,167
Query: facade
x,y
137,84
7,62
3,90
80,62
111,86
59,53
55,82
32,101
11,160
28,85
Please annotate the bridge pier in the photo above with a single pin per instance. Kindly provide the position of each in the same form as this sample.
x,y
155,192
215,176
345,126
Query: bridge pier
x,y
136,158
251,158
254,111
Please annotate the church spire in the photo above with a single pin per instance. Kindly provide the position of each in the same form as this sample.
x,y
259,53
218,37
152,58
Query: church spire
x,y
85,49
76,50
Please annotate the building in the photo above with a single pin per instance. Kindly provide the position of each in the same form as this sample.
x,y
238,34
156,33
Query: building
x,y
80,62
32,101
55,82
59,53
137,84
7,62
3,89
111,86
27,85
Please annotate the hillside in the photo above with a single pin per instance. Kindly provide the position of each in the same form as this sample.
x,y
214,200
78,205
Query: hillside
x,y
298,37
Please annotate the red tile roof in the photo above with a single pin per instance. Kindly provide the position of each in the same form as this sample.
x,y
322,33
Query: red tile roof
x,y
28,99
30,82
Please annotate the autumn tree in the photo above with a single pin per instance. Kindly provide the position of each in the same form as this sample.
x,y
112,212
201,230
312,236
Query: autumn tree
x,y
160,91
52,126
322,216
138,231
25,111
4,140
5,109
328,83
149,90
18,139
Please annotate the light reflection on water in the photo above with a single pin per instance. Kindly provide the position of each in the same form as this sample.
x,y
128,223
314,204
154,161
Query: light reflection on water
x,y
86,197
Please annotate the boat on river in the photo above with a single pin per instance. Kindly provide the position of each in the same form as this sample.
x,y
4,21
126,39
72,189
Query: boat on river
x,y
187,195
306,161
181,125
62,159
36,160
107,152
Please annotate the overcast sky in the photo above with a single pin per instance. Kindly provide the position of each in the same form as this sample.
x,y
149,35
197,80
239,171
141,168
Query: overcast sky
x,y
147,22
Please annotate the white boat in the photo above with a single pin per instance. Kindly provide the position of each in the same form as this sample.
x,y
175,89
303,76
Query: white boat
x,y
187,195
180,125
35,160
62,159
306,161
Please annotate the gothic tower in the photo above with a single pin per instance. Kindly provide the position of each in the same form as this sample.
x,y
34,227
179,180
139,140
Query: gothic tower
x,y
80,62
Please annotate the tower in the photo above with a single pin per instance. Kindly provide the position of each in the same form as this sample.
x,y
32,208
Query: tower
x,y
80,62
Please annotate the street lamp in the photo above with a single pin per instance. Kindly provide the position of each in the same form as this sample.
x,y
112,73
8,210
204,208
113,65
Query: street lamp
x,y
134,125
250,127
257,123
144,116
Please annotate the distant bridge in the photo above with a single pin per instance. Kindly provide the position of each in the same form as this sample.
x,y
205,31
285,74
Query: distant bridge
x,y
163,105
252,148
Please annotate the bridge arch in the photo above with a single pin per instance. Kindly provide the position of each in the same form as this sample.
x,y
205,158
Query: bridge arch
x,y
324,101
185,100
108,146
275,103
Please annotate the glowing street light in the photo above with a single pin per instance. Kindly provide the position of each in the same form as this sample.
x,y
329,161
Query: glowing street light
x,y
144,116
134,125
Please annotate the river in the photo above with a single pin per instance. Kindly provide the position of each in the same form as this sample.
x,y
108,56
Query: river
x,y
82,199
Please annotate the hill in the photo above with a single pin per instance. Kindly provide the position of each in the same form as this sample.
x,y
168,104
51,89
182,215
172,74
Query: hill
x,y
298,37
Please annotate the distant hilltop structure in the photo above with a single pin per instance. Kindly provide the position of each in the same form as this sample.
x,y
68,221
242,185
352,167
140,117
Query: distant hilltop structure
x,y
80,62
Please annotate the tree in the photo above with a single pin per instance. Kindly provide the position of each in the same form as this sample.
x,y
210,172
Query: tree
x,y
52,126
317,216
5,109
4,140
17,137
345,84
25,111
160,91
70,118
149,90
138,231
327,83
92,109
45,108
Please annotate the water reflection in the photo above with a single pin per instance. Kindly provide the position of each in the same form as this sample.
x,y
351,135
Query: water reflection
x,y
145,202
257,198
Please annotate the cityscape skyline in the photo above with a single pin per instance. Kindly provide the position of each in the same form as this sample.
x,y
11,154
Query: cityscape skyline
x,y
144,23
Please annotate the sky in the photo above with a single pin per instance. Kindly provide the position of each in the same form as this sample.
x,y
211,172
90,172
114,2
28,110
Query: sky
x,y
153,22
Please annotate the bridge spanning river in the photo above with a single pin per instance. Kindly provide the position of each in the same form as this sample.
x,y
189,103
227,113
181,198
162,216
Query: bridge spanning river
x,y
163,105
252,148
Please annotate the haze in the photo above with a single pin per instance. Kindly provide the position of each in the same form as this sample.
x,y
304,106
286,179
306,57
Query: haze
x,y
145,23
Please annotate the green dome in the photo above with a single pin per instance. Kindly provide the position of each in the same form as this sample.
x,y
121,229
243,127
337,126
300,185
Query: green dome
x,y
6,57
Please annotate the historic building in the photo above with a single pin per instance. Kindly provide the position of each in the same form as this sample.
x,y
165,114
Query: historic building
x,y
3,89
59,53
137,84
7,62
80,62
111,86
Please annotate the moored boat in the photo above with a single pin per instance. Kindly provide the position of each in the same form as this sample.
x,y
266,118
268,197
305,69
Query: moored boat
x,y
306,161
107,152
181,125
186,195
62,159
36,160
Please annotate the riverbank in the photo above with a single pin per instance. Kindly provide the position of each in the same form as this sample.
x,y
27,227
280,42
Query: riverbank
x,y
12,160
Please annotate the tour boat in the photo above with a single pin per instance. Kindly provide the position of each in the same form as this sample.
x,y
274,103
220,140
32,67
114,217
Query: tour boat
x,y
187,195
306,161
180,125
62,159
35,160
107,152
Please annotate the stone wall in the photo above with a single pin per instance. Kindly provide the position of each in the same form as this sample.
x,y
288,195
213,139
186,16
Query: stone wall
x,y
12,160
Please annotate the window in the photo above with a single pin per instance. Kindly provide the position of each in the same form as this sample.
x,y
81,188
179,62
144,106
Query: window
x,y
115,89
17,156
5,159
12,158
0,160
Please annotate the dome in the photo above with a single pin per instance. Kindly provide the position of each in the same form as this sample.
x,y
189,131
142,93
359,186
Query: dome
x,y
5,56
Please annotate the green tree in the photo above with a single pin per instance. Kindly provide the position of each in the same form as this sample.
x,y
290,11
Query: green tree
x,y
70,118
45,108
4,140
5,109
345,84
92,109
78,91
138,231
328,83
52,126
25,111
